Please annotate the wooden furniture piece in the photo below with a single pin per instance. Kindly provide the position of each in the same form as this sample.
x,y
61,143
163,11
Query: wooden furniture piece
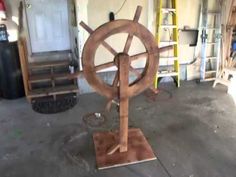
x,y
225,76
51,78
126,146
32,75
49,85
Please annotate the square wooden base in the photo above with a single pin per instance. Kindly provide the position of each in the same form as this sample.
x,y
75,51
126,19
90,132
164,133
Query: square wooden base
x,y
138,149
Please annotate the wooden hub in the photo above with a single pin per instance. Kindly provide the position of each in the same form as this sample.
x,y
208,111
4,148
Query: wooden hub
x,y
119,56
138,149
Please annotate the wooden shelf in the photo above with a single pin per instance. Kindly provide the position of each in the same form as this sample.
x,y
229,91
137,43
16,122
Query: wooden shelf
x,y
50,77
46,64
57,65
59,90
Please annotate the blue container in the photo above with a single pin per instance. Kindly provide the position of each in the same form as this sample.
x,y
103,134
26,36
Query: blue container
x,y
234,46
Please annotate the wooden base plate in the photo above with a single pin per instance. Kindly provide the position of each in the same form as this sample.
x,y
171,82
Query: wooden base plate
x,y
138,149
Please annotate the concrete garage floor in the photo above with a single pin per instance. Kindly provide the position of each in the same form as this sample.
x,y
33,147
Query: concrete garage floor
x,y
193,134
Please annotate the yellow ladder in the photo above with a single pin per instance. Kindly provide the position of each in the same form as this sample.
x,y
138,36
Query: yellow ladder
x,y
172,28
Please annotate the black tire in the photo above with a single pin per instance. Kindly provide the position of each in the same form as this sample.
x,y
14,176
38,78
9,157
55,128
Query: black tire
x,y
51,106
11,82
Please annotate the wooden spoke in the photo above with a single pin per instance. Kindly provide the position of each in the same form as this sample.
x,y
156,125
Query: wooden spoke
x,y
145,54
109,48
139,56
128,43
166,48
137,14
105,44
86,27
116,80
104,66
137,73
130,37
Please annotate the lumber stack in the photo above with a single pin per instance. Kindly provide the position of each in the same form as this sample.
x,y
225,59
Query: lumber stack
x,y
228,59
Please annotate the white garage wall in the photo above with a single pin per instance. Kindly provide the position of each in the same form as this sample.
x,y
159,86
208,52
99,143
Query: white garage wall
x,y
98,14
95,13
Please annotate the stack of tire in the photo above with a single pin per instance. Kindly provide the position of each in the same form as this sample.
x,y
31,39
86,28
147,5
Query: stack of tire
x,y
11,83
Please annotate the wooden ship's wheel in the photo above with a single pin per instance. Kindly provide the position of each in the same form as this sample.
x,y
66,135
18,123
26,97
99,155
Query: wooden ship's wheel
x,y
125,146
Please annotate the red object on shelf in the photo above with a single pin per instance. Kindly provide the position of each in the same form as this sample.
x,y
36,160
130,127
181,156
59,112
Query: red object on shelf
x,y
2,10
2,6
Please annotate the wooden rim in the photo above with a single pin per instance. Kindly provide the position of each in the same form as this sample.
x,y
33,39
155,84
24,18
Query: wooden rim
x,y
98,37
